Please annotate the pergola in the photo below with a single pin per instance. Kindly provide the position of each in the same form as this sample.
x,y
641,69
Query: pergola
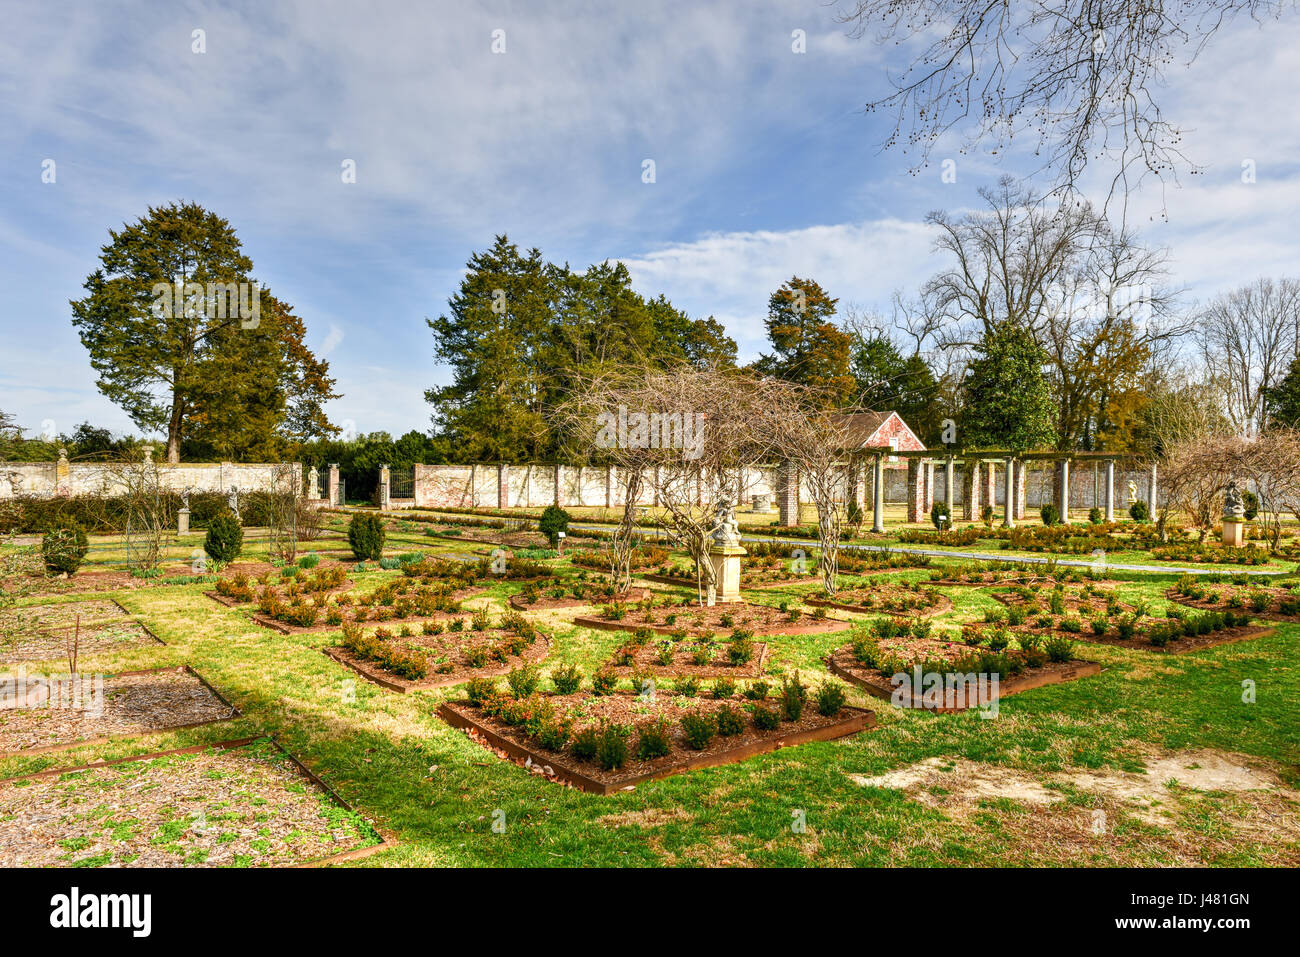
x,y
920,469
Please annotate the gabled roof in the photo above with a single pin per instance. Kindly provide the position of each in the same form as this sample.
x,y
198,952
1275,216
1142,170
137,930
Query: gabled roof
x,y
873,430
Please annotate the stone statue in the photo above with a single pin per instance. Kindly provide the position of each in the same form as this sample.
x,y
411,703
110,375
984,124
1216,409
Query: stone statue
x,y
185,497
232,499
725,529
1233,505
1132,493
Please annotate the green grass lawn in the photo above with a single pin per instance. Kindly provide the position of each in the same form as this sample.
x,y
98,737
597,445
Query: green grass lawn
x,y
436,793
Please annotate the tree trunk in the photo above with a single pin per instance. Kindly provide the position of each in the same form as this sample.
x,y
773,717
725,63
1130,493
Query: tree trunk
x,y
174,433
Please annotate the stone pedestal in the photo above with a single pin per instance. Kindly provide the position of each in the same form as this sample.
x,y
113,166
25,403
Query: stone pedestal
x,y
1234,532
725,560
183,522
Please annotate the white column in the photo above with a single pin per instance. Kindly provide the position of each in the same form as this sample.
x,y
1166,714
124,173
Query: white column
x,y
947,487
1064,505
1110,490
1009,478
1151,494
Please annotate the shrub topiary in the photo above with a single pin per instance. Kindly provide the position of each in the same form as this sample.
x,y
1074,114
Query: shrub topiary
x,y
553,521
1050,514
1251,501
63,549
366,537
1095,515
225,538
940,515
1139,512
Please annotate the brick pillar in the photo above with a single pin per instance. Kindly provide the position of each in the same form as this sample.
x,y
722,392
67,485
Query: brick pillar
x,y
1022,474
916,469
991,483
334,484
927,502
856,492
948,479
970,491
787,494
503,486
878,494
385,484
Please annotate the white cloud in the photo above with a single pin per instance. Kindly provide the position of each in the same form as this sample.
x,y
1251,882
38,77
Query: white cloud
x,y
731,275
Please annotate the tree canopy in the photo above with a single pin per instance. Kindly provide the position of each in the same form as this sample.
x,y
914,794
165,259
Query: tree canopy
x,y
185,341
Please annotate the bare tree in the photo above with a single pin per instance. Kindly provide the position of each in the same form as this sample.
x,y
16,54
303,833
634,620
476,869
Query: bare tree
x,y
691,435
1247,340
1272,464
818,444
1081,78
1094,298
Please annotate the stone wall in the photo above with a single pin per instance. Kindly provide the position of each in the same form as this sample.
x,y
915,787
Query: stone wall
x,y
64,478
537,486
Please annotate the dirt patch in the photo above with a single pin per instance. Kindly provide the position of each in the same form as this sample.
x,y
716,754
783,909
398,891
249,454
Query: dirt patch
x,y
62,615
48,713
95,639
957,784
246,807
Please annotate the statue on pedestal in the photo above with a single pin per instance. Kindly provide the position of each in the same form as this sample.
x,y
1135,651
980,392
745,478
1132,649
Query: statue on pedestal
x,y
232,500
725,530
1233,504
1132,493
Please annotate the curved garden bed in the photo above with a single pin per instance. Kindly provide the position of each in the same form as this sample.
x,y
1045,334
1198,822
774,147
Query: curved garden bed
x,y
631,719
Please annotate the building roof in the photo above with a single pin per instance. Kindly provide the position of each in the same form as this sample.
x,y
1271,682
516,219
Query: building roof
x,y
875,430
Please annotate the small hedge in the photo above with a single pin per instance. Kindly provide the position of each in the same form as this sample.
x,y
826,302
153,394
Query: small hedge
x,y
63,549
553,521
366,537
225,538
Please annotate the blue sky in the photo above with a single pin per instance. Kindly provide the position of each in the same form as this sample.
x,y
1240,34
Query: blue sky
x,y
766,165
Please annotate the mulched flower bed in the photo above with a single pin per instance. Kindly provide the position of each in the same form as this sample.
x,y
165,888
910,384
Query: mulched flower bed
x,y
428,658
882,596
49,713
914,651
89,581
1003,574
50,645
241,804
491,536
738,656
323,602
1272,603
63,615
563,596
577,736
681,621
1090,613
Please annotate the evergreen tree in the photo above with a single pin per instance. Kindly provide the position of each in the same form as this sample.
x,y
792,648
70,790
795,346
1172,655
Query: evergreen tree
x,y
807,346
196,364
888,382
1008,404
